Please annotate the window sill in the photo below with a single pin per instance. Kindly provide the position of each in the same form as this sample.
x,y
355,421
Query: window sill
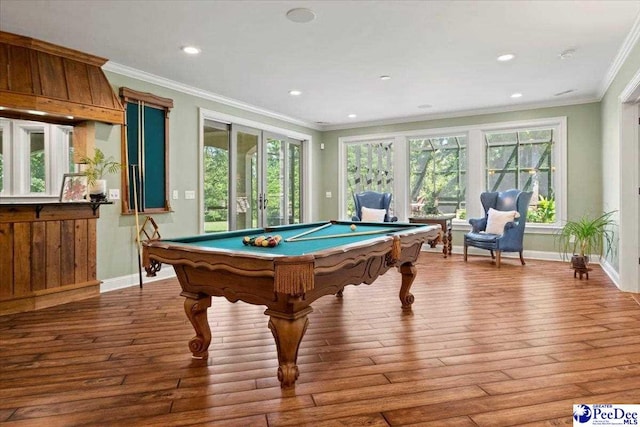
x,y
531,228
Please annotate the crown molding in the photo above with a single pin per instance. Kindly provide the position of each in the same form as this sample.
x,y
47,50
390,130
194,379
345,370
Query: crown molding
x,y
194,91
190,90
464,113
628,44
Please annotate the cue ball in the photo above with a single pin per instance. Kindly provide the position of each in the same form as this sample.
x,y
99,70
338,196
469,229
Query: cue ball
x,y
353,227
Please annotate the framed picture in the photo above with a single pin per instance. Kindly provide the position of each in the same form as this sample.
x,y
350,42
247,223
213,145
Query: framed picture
x,y
74,187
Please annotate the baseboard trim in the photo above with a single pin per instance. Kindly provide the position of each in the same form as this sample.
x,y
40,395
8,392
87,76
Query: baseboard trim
x,y
541,255
129,280
611,272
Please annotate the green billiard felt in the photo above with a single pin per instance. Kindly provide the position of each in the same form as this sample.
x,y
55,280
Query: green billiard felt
x,y
232,241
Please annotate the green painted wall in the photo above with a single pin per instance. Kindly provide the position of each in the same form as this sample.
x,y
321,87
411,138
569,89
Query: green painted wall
x,y
584,177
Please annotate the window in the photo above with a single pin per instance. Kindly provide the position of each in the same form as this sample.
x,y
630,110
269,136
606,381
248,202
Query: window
x,y
33,158
447,169
522,159
369,166
437,168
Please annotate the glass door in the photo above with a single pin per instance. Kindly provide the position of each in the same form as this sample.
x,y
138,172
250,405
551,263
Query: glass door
x,y
246,144
281,189
252,178
216,140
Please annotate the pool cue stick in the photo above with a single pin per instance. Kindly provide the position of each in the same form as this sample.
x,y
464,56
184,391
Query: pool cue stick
x,y
135,208
141,161
358,233
313,230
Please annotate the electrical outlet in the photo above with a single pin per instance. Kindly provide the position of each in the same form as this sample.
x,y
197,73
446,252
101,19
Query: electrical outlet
x,y
327,194
189,194
176,195
114,194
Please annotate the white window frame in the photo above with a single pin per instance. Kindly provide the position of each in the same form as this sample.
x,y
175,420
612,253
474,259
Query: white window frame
x,y
5,125
17,165
475,171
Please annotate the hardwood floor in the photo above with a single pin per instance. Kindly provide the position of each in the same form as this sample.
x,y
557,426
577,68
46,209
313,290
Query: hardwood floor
x,y
482,347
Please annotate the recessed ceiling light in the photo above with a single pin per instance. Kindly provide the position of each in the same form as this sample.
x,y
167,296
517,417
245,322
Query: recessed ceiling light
x,y
352,116
385,77
37,113
506,57
516,95
191,50
566,54
425,106
295,92
301,15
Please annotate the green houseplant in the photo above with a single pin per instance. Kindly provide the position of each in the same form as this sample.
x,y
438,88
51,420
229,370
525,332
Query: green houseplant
x,y
96,168
587,236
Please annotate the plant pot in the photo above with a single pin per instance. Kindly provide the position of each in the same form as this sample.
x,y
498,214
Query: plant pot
x,y
98,191
579,261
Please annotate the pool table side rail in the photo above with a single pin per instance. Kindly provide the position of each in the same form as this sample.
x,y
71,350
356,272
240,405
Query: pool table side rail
x,y
291,274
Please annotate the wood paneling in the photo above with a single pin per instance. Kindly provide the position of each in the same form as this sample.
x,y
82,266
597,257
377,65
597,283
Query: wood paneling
x,y
59,81
53,254
481,347
44,253
38,256
22,258
6,261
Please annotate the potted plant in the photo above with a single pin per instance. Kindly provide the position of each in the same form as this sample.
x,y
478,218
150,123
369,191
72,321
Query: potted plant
x,y
96,168
584,237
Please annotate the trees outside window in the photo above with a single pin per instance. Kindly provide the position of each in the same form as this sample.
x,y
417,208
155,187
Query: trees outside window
x,y
369,166
447,169
33,158
437,168
522,159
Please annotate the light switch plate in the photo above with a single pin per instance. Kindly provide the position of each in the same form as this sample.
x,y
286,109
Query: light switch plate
x,y
114,194
327,194
189,194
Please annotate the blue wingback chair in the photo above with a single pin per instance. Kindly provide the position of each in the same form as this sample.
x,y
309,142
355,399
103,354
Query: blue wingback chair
x,y
373,200
511,239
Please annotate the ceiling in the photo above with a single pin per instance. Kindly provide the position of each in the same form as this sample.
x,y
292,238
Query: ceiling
x,y
441,55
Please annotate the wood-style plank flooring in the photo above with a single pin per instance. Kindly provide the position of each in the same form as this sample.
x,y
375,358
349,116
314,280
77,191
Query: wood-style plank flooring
x,y
482,346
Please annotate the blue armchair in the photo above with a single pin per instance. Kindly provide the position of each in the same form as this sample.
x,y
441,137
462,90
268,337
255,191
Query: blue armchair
x,y
511,237
373,200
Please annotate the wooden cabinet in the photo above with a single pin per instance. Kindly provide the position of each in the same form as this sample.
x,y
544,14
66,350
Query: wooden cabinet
x,y
47,254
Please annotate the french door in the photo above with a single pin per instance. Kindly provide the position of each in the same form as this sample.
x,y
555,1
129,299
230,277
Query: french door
x,y
265,179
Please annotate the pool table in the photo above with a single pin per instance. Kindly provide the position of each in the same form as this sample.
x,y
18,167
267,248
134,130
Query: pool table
x,y
286,278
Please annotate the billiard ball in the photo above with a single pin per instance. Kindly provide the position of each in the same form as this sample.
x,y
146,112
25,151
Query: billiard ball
x,y
353,227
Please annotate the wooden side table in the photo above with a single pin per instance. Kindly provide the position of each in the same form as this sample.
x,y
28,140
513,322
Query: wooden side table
x,y
444,221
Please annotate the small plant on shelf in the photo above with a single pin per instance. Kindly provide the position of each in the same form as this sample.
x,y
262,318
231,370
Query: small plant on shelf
x,y
96,168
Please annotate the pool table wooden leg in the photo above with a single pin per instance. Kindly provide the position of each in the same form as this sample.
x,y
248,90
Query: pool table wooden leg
x,y
288,331
408,272
196,305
